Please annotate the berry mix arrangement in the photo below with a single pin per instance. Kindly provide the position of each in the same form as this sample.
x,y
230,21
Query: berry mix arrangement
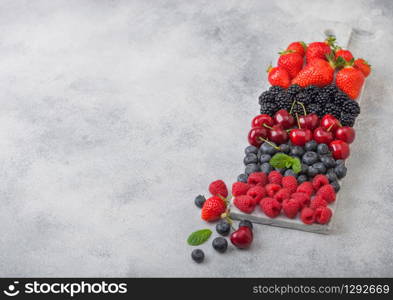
x,y
298,145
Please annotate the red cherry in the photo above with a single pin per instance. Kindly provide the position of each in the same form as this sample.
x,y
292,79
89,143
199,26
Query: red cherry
x,y
259,120
340,149
346,134
310,121
278,135
330,123
300,136
242,238
255,135
284,118
322,136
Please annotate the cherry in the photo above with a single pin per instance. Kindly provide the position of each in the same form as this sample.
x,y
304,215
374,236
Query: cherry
x,y
255,135
330,123
284,118
278,135
310,121
242,238
340,149
300,136
346,134
259,120
322,136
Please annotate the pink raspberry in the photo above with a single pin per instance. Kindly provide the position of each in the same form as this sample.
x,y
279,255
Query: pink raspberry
x,y
271,207
327,192
305,187
322,215
240,188
307,215
256,193
302,198
290,208
257,178
217,188
319,181
244,203
290,183
272,189
318,201
275,177
282,195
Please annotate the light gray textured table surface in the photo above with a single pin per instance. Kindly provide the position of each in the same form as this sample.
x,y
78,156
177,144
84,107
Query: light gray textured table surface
x,y
115,114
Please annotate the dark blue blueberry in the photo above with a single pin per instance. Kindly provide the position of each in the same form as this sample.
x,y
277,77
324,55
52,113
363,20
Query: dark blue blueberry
x,y
198,255
199,200
242,178
264,158
245,223
251,149
335,185
285,148
340,162
266,148
266,168
328,161
322,149
220,244
250,158
311,146
304,169
310,158
282,171
302,178
312,171
223,227
296,151
331,175
252,168
341,171
290,172
320,167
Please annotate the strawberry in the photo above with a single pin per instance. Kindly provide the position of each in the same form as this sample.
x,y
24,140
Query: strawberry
x,y
213,208
290,208
278,76
318,72
350,80
244,203
319,49
240,188
218,187
345,54
291,61
363,66
298,47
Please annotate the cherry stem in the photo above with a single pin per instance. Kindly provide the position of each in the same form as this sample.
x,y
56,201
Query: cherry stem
x,y
292,106
330,127
298,122
304,109
266,141
267,126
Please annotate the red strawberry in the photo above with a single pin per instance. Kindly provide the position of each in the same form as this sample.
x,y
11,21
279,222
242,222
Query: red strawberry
x,y
319,181
213,208
278,76
240,188
275,177
302,198
291,61
271,207
290,208
318,201
327,192
256,193
318,72
257,178
272,189
282,195
319,49
218,187
298,47
290,183
305,187
345,54
244,203
307,215
350,80
363,66
322,215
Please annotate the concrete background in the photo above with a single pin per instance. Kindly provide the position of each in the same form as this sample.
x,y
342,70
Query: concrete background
x,y
116,114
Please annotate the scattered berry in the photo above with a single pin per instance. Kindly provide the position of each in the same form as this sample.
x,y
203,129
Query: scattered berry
x,y
212,209
242,238
322,215
218,187
290,183
327,192
275,177
256,193
240,188
220,244
290,208
199,201
319,181
245,203
307,215
223,227
271,207
272,189
198,255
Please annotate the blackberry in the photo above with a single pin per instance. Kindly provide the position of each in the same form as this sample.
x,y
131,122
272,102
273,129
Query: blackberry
x,y
268,108
312,90
304,98
322,99
351,107
297,109
275,90
330,89
332,109
294,89
283,100
266,97
340,98
347,120
314,108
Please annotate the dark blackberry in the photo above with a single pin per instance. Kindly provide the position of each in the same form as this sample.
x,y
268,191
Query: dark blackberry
x,y
294,89
297,109
268,108
351,107
283,100
330,89
266,96
312,90
314,108
274,90
340,98
347,120
304,97
322,98
332,109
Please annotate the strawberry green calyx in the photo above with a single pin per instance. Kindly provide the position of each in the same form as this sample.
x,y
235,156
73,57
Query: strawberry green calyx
x,y
335,63
286,52
304,45
330,40
269,68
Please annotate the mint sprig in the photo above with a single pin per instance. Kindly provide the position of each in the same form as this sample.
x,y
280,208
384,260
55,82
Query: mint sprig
x,y
199,237
281,161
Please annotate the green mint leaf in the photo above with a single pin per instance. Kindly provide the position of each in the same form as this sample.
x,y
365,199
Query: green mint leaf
x,y
280,160
296,165
199,237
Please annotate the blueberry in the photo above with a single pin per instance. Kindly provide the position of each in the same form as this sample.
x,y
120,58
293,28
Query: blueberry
x,y
266,168
320,167
296,151
251,149
242,178
285,148
250,158
252,168
341,171
220,244
290,172
312,171
311,146
266,148
310,158
302,178
223,227
340,162
280,170
304,169
245,223
199,201
331,175
335,185
265,158
198,255
322,149
328,161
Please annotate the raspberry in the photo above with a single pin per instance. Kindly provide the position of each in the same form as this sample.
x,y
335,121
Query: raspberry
x,y
290,208
290,183
318,201
256,193
271,207
322,215
327,192
305,187
275,177
282,195
257,178
244,203
319,181
302,198
213,208
307,215
272,189
240,188
218,187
